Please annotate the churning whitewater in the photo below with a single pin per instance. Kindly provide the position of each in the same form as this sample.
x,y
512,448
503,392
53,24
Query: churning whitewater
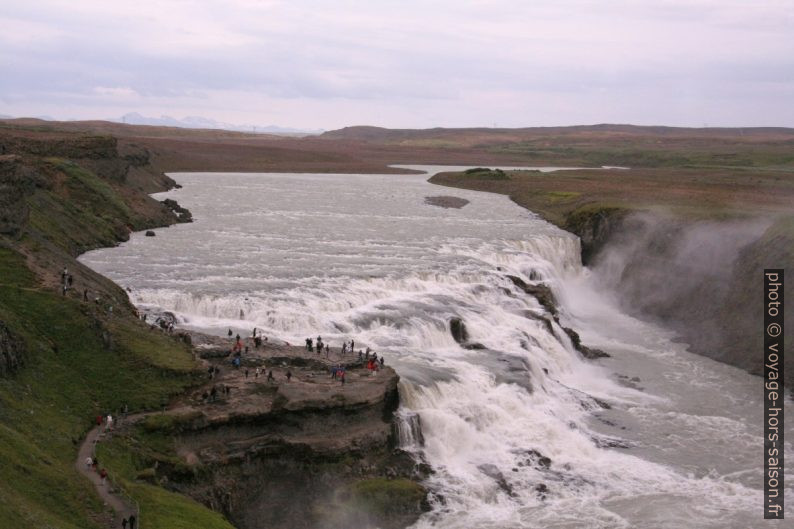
x,y
520,430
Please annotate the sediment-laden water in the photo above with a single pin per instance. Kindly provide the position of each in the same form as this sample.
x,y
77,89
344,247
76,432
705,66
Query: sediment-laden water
x,y
365,257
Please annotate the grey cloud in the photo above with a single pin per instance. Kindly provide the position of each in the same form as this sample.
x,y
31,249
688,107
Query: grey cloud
x,y
589,61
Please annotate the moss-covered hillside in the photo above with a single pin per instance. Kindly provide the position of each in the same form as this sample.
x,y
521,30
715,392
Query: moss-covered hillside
x,y
63,359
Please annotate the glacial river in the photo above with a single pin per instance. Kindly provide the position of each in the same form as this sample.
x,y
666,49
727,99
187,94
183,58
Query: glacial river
x,y
364,257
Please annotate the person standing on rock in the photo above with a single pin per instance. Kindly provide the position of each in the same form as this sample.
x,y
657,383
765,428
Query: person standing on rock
x,y
270,376
342,375
289,376
230,333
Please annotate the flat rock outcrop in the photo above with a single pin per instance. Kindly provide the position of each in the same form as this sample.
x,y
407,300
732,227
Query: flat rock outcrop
x,y
276,452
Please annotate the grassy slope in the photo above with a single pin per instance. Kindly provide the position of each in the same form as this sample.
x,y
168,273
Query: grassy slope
x,y
133,457
693,193
80,360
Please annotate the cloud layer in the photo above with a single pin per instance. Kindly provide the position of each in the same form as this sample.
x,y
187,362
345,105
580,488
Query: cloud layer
x,y
403,63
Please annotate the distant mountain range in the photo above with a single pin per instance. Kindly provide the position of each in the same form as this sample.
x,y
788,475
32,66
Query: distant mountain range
x,y
199,122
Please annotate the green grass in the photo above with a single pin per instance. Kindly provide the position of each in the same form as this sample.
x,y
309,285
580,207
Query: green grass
x,y
80,362
47,407
152,346
563,196
169,510
133,459
13,271
638,154
75,224
384,497
169,422
85,186
484,173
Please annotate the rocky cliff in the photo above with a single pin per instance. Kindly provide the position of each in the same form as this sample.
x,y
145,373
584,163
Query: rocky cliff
x,y
703,279
12,351
306,451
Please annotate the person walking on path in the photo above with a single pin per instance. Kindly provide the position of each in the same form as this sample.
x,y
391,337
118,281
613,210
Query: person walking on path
x,y
132,521
98,476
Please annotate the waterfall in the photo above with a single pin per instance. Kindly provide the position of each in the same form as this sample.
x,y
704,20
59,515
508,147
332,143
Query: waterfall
x,y
519,429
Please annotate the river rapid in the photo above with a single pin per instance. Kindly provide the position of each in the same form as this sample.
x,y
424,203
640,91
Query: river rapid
x,y
364,257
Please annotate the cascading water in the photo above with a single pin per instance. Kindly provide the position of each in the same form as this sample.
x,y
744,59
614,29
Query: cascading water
x,y
520,430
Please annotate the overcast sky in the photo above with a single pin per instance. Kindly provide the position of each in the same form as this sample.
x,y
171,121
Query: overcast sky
x,y
406,63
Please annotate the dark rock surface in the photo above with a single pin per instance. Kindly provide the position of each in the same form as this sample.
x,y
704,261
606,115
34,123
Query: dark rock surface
x,y
588,352
458,330
541,292
446,202
595,227
182,214
701,279
279,453
12,352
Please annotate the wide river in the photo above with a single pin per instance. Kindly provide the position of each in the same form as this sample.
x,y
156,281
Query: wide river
x,y
365,257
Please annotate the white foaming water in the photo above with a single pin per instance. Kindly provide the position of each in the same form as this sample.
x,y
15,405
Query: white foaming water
x,y
363,257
